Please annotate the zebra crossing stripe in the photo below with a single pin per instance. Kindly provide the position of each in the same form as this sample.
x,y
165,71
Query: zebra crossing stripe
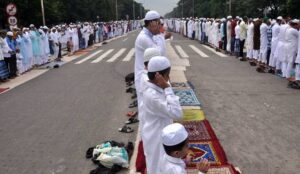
x,y
181,52
88,57
102,56
198,51
119,53
218,53
129,55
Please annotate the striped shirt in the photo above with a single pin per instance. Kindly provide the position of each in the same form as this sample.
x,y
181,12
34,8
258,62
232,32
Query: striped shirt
x,y
269,36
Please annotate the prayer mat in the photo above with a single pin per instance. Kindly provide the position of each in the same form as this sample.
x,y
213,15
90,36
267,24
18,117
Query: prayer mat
x,y
211,150
199,130
179,85
192,115
223,169
3,89
187,97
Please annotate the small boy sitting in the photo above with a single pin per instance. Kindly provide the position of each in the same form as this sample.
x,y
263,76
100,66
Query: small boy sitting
x,y
175,142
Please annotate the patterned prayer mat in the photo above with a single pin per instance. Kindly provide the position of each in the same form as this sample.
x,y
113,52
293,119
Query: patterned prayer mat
x,y
211,150
179,85
223,169
3,89
199,130
192,115
187,97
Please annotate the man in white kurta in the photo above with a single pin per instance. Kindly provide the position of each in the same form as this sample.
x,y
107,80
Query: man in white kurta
x,y
297,61
263,43
249,40
275,36
280,51
291,46
229,19
160,107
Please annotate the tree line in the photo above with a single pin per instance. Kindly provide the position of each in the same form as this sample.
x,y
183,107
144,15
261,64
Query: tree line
x,y
61,11
223,8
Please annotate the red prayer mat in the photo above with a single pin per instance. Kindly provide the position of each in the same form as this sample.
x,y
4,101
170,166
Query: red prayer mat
x,y
3,89
199,130
223,169
210,150
140,163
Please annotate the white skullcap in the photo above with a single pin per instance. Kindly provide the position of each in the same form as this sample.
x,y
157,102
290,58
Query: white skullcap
x,y
31,25
45,27
229,17
295,21
151,15
237,17
40,30
174,134
158,63
10,33
279,18
150,52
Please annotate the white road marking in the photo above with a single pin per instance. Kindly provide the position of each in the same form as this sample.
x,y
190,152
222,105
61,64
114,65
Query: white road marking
x,y
198,51
181,52
88,57
102,56
125,39
218,53
129,55
119,53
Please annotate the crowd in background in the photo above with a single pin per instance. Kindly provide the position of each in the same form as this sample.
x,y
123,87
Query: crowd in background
x,y
271,44
22,49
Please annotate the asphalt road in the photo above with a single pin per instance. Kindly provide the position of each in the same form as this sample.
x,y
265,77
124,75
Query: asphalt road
x,y
47,124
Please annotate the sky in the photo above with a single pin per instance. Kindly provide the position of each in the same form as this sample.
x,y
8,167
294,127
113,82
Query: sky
x,y
161,6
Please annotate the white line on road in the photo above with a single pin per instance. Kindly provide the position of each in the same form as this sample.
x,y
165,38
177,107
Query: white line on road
x,y
102,56
198,51
125,39
129,55
181,52
119,53
88,57
218,53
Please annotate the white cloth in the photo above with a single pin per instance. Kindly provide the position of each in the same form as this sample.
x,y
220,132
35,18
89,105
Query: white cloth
x,y
298,54
280,51
274,42
161,43
174,134
229,36
171,165
291,44
263,43
160,107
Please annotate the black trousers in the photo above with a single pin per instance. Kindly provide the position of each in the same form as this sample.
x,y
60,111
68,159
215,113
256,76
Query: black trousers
x,y
11,63
59,51
242,43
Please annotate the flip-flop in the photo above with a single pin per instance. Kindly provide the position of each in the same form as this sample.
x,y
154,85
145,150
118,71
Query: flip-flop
x,y
131,114
131,121
126,129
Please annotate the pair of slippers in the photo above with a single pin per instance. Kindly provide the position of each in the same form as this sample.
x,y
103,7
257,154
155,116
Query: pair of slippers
x,y
127,129
294,85
133,104
131,113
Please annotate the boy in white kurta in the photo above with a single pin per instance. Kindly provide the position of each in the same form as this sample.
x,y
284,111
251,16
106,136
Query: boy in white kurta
x,y
160,107
175,143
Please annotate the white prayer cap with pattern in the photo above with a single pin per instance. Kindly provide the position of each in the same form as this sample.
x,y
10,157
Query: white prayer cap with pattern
x,y
158,63
174,134
149,53
279,18
10,33
295,21
151,15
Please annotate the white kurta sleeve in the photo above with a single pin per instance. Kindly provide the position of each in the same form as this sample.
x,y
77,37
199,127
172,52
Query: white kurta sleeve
x,y
171,106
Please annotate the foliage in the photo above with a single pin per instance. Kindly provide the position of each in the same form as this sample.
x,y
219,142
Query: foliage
x,y
60,11
251,8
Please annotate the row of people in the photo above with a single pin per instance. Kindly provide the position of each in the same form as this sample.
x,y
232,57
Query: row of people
x,y
23,49
271,44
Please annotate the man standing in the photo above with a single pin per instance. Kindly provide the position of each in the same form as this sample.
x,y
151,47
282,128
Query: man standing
x,y
10,55
274,42
243,35
256,41
262,58
228,33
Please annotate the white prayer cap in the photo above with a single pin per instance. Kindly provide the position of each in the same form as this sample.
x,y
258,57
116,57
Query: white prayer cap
x,y
86,23
255,19
295,21
24,29
40,30
31,25
279,18
10,33
273,21
237,17
151,15
45,27
158,63
150,52
229,17
174,134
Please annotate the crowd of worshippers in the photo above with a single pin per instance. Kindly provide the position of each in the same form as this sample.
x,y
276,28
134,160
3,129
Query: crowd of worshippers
x,y
26,48
271,44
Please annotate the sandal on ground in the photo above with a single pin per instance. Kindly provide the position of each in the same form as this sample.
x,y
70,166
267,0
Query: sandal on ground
x,y
133,104
131,114
126,129
131,121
